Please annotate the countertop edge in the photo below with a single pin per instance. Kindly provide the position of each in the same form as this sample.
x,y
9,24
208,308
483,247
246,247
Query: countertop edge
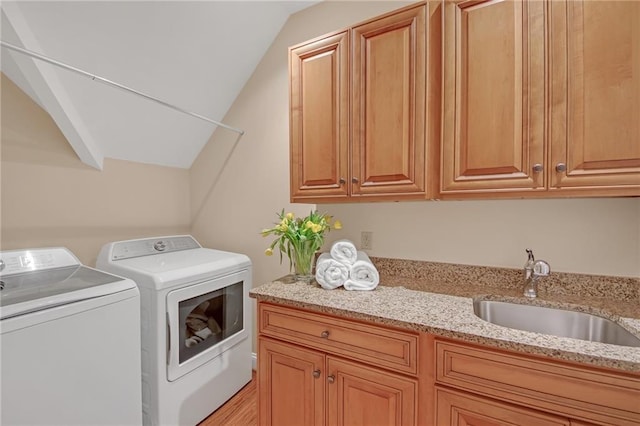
x,y
477,331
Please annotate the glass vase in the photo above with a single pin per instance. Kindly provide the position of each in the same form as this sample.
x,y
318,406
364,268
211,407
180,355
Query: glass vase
x,y
303,261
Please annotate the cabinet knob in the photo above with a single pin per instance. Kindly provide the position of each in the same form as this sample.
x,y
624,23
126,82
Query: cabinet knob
x,y
354,179
561,167
537,168
324,334
316,373
331,378
342,181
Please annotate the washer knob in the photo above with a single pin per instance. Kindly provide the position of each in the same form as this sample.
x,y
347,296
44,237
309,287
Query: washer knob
x,y
160,246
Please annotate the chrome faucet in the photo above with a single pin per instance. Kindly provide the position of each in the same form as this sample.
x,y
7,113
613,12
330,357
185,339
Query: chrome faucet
x,y
533,270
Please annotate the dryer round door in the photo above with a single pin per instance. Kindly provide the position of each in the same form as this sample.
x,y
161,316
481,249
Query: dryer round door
x,y
205,319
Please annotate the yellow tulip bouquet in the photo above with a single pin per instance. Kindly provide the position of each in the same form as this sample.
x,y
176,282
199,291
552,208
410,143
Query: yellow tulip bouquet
x,y
300,239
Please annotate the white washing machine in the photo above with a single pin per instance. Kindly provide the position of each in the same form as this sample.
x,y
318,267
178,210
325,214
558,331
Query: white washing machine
x,y
69,342
196,324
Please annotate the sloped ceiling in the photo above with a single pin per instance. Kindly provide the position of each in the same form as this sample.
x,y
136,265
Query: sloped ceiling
x,y
196,55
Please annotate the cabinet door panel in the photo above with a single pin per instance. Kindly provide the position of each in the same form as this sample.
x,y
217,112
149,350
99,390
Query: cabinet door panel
x,y
319,117
493,96
460,409
596,92
362,395
389,74
290,394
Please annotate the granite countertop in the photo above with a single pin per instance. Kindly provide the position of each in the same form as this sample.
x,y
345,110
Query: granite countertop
x,y
445,308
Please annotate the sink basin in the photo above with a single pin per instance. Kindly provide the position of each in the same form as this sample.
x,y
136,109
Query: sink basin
x,y
557,322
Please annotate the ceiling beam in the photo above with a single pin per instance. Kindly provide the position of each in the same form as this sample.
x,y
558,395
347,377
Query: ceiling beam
x,y
44,83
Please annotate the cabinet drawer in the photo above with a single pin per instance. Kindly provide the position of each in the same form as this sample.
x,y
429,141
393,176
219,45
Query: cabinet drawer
x,y
581,392
459,408
394,349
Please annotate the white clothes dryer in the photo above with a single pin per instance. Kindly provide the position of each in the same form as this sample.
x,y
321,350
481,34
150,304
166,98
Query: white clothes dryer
x,y
196,324
69,342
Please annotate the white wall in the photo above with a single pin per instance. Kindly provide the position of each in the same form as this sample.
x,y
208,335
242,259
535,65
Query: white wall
x,y
592,236
50,198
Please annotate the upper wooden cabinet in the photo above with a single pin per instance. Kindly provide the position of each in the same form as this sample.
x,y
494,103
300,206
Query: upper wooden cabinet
x,y
493,96
470,99
595,97
541,99
388,105
319,117
358,110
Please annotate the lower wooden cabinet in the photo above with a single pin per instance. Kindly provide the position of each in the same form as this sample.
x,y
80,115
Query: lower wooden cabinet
x,y
462,409
290,387
316,369
360,395
477,385
300,386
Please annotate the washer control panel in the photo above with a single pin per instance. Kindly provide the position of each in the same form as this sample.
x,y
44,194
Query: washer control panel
x,y
19,261
150,246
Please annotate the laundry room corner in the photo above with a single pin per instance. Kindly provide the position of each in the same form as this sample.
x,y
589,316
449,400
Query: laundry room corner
x,y
50,198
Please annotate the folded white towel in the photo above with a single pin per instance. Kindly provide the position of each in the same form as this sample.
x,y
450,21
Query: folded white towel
x,y
330,273
344,251
363,275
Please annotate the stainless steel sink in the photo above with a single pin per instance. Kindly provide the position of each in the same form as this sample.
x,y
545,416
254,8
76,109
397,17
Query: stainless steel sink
x,y
557,322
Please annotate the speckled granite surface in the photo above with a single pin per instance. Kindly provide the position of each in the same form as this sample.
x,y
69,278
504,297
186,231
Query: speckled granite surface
x,y
438,299
557,284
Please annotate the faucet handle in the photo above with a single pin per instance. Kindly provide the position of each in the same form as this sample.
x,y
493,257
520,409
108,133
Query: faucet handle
x,y
530,257
541,268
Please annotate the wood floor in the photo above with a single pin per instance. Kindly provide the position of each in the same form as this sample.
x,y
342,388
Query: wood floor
x,y
240,410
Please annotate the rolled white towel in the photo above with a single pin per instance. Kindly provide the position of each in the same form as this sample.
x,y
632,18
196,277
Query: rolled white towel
x,y
344,251
363,275
330,273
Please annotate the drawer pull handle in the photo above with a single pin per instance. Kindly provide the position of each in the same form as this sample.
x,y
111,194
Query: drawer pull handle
x,y
324,334
561,167
537,168
316,373
331,378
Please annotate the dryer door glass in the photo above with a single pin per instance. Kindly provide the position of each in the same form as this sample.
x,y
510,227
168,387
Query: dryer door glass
x,y
208,319
204,320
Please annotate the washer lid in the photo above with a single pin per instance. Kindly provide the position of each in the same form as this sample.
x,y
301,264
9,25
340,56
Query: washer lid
x,y
35,291
33,280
